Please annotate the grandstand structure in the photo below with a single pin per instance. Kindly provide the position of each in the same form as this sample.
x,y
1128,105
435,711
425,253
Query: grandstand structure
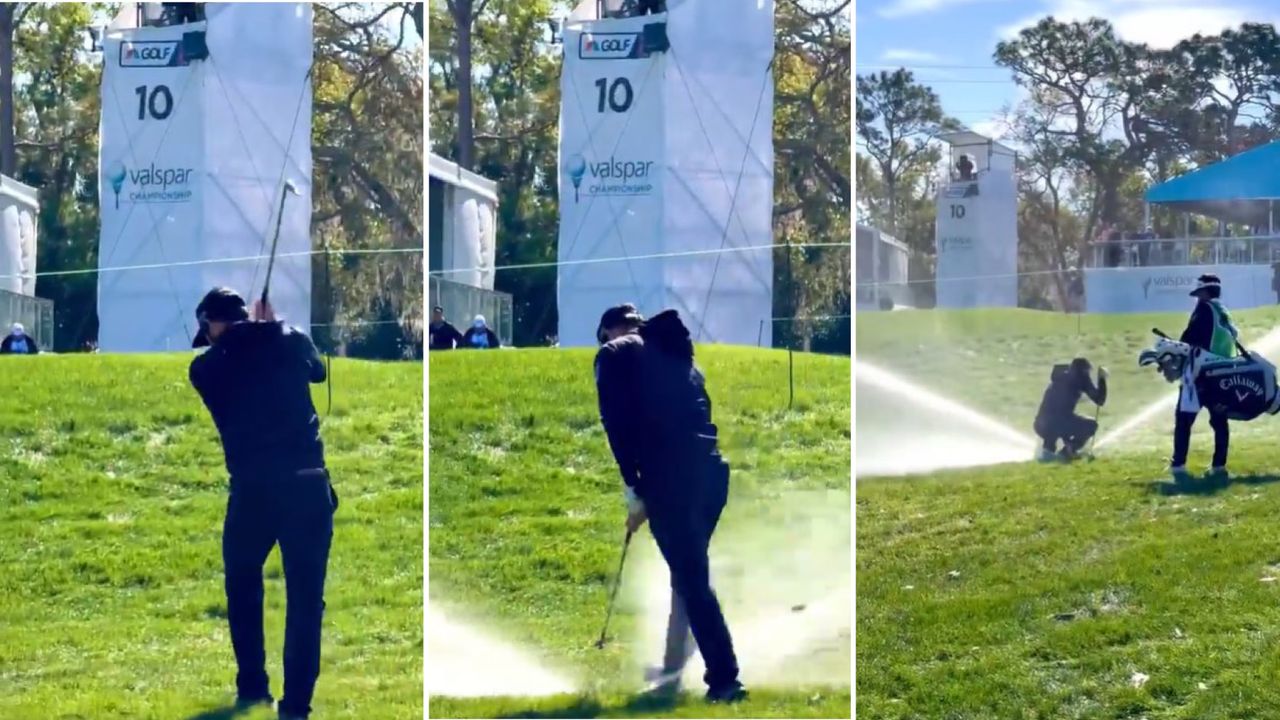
x,y
1146,271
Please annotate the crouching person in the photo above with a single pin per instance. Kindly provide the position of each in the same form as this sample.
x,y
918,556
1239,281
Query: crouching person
x,y
1057,418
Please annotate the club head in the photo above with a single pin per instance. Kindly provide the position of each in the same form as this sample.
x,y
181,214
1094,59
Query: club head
x,y
290,188
600,644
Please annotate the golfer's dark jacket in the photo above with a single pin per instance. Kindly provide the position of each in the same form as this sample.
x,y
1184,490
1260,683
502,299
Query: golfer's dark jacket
x,y
1064,391
655,411
256,380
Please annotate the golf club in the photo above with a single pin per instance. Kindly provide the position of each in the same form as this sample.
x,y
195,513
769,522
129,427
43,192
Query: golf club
x,y
614,595
285,191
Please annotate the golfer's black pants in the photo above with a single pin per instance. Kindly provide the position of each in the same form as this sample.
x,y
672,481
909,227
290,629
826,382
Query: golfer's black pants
x,y
296,511
682,520
1073,430
1183,422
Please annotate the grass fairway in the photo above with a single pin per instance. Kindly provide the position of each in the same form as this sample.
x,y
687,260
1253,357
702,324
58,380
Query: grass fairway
x,y
526,522
112,494
1095,590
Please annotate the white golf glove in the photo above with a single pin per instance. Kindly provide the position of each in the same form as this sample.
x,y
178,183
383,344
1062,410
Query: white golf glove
x,y
634,503
1102,373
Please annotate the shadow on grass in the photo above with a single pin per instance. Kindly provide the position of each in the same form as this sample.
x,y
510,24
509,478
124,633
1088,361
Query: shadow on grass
x,y
642,705
1203,486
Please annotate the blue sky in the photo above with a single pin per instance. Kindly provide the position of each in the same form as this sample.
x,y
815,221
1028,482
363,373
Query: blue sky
x,y
949,43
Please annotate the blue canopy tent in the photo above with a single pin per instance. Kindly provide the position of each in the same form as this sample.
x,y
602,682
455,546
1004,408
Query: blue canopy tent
x,y
1242,188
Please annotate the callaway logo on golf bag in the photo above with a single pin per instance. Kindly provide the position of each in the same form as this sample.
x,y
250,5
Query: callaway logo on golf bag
x,y
1242,388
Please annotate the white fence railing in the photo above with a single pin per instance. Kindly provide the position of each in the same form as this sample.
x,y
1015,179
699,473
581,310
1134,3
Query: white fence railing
x,y
1175,252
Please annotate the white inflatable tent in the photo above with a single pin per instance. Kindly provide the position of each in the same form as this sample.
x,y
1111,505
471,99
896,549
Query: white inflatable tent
x,y
463,224
195,153
666,169
19,212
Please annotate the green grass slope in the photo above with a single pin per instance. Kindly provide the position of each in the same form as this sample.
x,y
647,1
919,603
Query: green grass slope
x,y
1096,590
112,494
526,520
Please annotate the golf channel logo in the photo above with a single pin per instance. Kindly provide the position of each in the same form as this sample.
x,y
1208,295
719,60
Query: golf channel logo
x,y
151,53
610,46
1165,284
609,178
153,185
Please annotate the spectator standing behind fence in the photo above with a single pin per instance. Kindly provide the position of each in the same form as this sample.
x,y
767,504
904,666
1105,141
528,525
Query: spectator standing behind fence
x,y
443,335
480,337
18,342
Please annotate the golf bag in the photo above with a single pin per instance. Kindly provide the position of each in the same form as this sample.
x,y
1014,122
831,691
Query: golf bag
x,y
1240,388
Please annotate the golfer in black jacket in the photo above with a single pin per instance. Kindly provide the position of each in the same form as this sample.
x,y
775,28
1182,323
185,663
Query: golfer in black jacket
x,y
1057,418
657,416
255,379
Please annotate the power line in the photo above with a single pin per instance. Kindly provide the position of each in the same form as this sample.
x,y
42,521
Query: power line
x,y
210,261
925,66
628,258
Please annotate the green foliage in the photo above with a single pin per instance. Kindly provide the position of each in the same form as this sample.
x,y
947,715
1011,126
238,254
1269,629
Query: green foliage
x,y
112,495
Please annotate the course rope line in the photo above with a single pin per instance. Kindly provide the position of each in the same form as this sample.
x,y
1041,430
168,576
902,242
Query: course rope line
x,y
629,258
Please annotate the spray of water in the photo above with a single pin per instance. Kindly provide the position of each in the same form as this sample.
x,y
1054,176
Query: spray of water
x,y
466,663
781,570
929,432
1266,345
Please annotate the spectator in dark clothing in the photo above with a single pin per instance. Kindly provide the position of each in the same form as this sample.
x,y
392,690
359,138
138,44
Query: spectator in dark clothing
x,y
444,336
1057,418
480,337
965,166
657,417
255,380
18,342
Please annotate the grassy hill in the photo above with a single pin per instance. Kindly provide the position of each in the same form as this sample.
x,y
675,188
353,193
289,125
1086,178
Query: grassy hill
x,y
526,526
1086,591
112,494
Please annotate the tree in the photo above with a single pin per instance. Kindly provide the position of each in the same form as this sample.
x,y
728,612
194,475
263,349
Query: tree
x,y
897,119
464,14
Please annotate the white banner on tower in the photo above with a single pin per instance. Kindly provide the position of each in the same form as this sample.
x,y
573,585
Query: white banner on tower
x,y
666,171
194,153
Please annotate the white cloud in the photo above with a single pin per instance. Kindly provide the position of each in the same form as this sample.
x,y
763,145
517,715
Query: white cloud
x,y
1158,24
906,8
904,55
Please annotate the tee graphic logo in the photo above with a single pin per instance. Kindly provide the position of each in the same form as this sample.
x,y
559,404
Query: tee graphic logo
x,y
577,167
151,184
151,53
115,175
610,46
1166,284
611,177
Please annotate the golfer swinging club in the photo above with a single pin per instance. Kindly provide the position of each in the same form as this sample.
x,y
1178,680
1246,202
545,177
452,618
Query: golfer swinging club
x,y
657,416
255,380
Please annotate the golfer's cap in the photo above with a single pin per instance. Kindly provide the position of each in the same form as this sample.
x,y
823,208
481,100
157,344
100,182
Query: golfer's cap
x,y
221,305
619,314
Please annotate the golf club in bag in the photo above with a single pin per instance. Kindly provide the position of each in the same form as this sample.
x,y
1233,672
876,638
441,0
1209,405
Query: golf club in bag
x,y
617,582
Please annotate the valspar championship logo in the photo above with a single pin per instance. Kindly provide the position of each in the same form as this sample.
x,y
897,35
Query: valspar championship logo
x,y
954,244
151,53
1165,284
612,177
611,46
150,184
